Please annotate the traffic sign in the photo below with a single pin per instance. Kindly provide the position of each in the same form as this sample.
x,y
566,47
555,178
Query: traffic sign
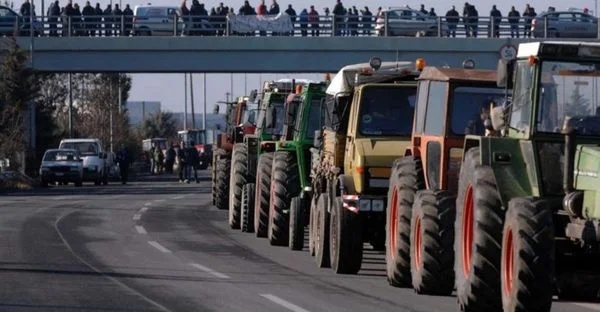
x,y
508,52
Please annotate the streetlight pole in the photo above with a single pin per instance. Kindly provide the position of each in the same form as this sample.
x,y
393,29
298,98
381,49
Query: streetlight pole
x,y
204,108
70,105
192,101
185,102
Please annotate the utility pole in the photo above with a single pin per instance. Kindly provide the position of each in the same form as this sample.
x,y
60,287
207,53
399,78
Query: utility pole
x,y
204,109
70,105
245,84
185,104
110,111
192,101
231,86
120,96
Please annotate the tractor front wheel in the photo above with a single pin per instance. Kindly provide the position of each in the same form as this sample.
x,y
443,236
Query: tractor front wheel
x,y
345,239
263,194
247,208
321,239
239,173
296,235
285,184
223,168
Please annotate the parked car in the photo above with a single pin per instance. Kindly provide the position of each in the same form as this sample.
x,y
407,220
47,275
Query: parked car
x,y
149,20
565,24
96,166
407,22
61,165
8,19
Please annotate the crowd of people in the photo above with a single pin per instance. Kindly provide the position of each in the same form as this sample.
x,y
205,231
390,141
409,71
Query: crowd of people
x,y
184,158
112,21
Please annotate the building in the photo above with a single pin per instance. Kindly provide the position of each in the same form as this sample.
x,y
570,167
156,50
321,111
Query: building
x,y
138,111
212,120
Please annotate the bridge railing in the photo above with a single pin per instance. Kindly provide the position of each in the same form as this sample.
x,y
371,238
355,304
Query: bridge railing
x,y
321,26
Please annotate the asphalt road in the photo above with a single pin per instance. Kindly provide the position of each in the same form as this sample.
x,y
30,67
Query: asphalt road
x,y
157,245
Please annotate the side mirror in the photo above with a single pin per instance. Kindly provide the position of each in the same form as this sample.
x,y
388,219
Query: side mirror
x,y
497,118
317,141
504,73
270,117
216,109
253,95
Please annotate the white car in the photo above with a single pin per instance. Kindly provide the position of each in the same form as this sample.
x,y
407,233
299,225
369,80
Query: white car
x,y
408,22
150,20
96,167
61,165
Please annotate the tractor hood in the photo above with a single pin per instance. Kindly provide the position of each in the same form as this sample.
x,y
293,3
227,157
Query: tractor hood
x,y
587,167
381,152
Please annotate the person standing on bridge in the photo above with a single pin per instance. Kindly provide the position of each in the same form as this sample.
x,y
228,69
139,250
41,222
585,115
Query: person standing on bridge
x,y
513,20
496,19
303,18
292,13
128,13
313,18
339,14
98,18
452,19
117,13
367,21
108,22
274,10
261,10
89,20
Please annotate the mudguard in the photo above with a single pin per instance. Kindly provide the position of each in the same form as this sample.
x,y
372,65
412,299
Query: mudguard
x,y
513,162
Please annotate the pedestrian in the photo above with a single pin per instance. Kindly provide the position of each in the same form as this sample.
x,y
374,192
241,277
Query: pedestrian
x,y
89,22
313,18
513,20
193,163
452,19
128,13
151,158
54,14
292,13
170,159
108,21
496,19
98,18
367,20
303,22
117,19
123,161
339,14
182,162
528,16
158,160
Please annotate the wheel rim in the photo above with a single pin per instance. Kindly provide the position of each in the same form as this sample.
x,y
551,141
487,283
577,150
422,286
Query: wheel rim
x,y
393,222
418,242
467,231
507,261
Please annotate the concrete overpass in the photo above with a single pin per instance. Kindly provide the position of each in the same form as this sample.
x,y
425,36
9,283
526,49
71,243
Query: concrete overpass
x,y
250,54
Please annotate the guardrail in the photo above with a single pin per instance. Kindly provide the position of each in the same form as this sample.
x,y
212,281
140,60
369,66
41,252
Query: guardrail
x,y
324,26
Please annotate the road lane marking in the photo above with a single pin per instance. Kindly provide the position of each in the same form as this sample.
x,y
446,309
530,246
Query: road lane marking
x,y
179,197
102,273
137,217
148,204
286,304
140,229
159,246
590,306
160,200
209,270
143,209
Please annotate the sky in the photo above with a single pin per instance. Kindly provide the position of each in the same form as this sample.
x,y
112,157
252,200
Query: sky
x,y
169,88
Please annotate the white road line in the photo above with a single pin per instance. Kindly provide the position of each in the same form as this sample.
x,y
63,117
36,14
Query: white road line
x,y
159,246
595,307
137,217
179,197
148,204
160,200
143,209
209,270
140,229
286,304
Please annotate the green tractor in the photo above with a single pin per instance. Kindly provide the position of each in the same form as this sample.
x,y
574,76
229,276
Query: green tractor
x,y
246,153
528,206
290,177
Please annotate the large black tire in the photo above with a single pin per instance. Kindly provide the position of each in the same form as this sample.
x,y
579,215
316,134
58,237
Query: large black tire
x,y
479,222
222,183
311,224
263,194
285,184
321,239
239,177
406,179
345,239
297,215
432,243
216,155
527,264
248,207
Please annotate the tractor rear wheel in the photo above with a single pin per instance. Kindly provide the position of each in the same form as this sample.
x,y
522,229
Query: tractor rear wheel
x,y
478,237
215,157
296,235
223,168
263,194
432,243
311,224
345,239
527,256
406,179
247,208
285,184
321,239
239,173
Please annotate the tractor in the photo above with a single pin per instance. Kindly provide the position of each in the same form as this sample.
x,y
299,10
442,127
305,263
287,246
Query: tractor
x,y
528,209
290,178
368,118
246,154
423,183
240,118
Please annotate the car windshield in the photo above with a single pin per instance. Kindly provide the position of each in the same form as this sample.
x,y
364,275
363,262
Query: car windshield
x,y
84,148
60,156
387,111
470,108
568,97
249,116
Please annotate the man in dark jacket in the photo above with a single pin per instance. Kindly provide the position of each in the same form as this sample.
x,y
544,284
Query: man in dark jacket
x,y
496,20
123,161
170,160
192,156
292,13
183,174
513,20
128,13
452,18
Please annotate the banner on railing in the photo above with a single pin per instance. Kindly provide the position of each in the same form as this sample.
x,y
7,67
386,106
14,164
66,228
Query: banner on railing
x,y
280,23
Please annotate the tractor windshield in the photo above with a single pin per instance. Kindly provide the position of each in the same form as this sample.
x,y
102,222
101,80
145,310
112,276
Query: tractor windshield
x,y
315,120
568,97
279,118
470,108
387,110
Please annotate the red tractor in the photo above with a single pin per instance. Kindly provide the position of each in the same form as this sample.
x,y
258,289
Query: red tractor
x,y
241,116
